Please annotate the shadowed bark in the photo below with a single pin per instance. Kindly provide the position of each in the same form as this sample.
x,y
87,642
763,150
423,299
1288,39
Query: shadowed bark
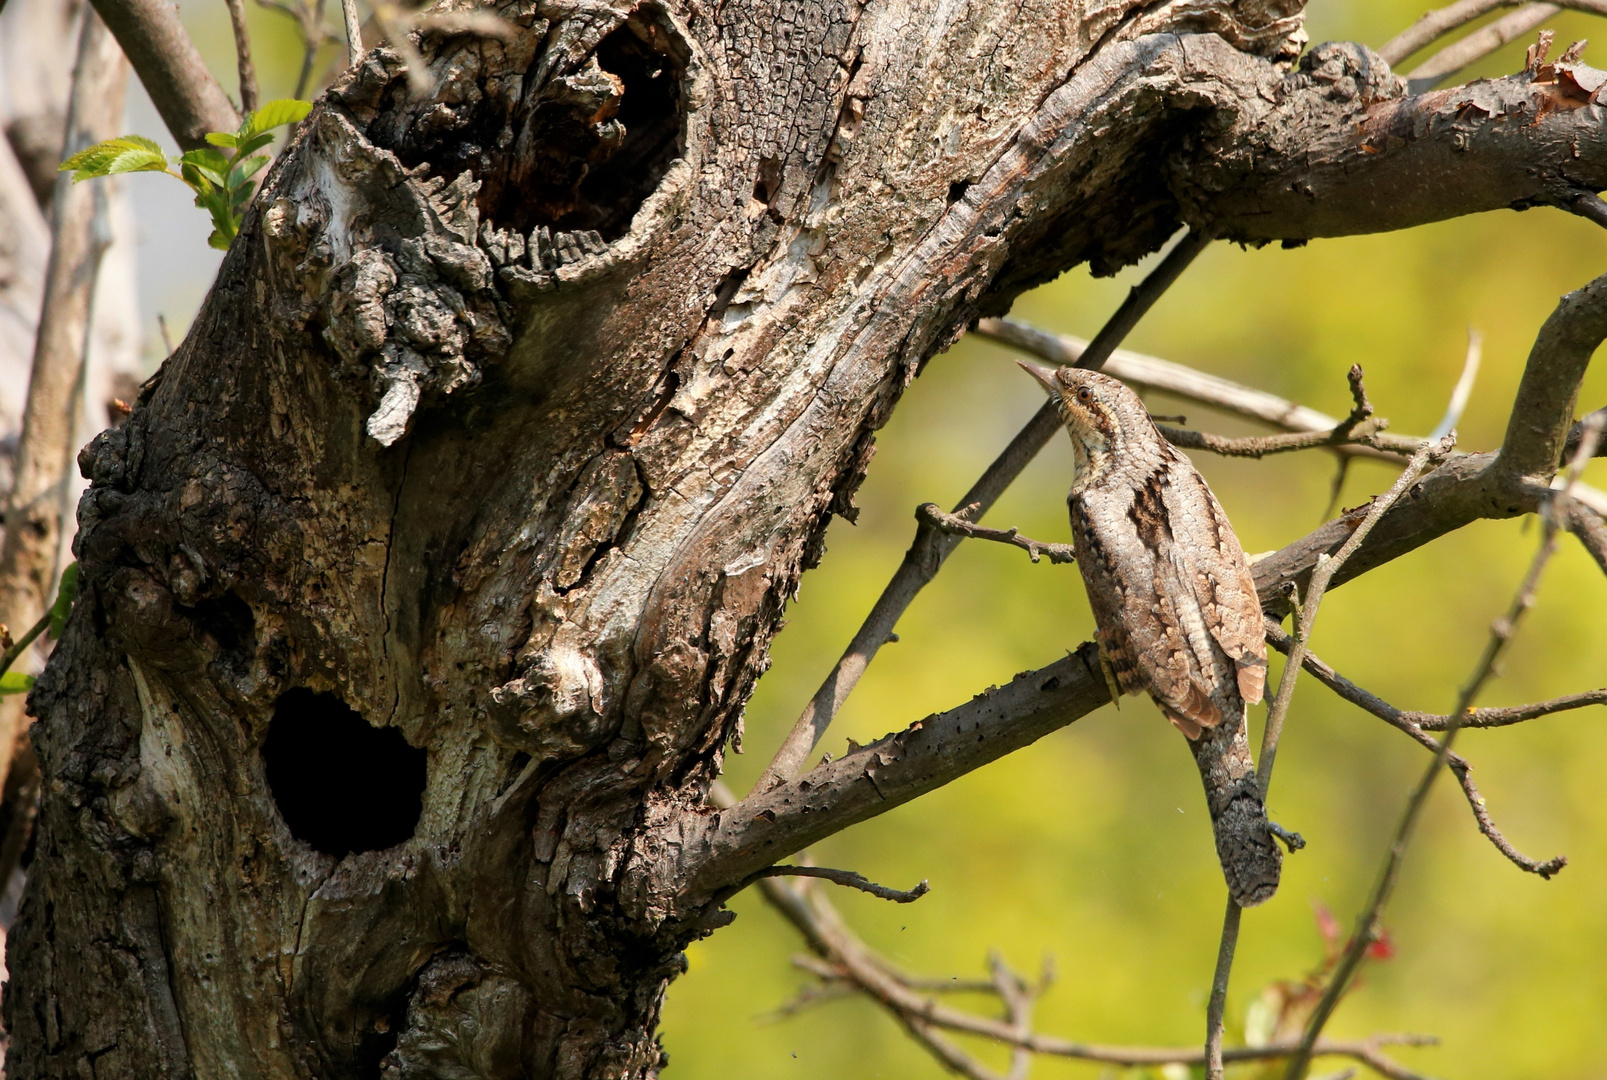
x,y
425,587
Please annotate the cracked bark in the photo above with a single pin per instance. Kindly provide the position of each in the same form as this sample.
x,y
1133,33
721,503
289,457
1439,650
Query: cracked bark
x,y
510,423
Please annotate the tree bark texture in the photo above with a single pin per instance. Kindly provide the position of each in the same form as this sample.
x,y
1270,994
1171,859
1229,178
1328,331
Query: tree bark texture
x,y
513,418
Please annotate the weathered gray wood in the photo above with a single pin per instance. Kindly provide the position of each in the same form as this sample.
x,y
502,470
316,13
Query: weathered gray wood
x,y
523,460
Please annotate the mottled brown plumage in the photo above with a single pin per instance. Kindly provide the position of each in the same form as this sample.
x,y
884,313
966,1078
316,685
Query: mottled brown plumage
x,y
1174,602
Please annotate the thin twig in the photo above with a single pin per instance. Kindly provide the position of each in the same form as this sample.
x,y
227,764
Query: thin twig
x,y
1476,46
354,32
849,960
1219,991
1500,634
849,879
242,55
1152,373
1436,24
931,547
1305,616
1327,566
1409,723
958,525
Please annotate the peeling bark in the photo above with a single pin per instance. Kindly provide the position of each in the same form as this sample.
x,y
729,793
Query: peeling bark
x,y
509,426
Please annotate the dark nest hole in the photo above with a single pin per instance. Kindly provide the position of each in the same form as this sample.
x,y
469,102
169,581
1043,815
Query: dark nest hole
x,y
341,784
582,151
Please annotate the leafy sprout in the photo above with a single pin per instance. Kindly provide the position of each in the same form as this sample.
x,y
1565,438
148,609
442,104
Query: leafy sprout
x,y
221,181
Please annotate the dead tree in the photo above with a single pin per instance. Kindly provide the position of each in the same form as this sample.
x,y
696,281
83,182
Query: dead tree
x,y
425,586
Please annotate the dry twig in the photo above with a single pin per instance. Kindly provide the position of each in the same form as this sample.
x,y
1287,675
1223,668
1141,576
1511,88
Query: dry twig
x,y
242,55
1409,723
960,525
1500,634
1477,45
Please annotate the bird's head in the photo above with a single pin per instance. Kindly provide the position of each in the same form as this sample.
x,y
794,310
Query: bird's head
x,y
1098,411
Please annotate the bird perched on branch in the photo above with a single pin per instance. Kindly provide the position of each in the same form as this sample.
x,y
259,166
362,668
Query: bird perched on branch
x,y
1174,601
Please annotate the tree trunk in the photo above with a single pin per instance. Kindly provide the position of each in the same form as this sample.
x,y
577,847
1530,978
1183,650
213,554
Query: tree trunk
x,y
424,588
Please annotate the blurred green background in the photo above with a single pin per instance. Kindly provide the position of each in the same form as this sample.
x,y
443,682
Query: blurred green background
x,y
1093,846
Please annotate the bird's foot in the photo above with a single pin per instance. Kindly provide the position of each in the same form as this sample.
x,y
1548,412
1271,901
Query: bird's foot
x,y
1291,840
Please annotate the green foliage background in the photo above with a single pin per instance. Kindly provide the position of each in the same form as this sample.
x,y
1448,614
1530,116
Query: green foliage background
x,y
1093,846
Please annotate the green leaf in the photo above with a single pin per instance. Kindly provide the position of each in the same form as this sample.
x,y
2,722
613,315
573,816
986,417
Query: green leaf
x,y
137,160
256,142
15,682
222,138
216,240
66,593
97,160
202,178
246,169
274,114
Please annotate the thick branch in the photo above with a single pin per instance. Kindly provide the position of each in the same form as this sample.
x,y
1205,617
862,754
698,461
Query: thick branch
x,y
184,92
1313,165
1542,415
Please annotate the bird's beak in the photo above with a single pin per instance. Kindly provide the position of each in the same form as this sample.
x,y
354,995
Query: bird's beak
x,y
1044,375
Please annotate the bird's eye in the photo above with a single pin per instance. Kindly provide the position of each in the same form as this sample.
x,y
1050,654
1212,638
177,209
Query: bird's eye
x,y
1085,395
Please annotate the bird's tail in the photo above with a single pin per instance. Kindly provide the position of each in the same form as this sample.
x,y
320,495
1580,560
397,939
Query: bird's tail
x,y
1251,859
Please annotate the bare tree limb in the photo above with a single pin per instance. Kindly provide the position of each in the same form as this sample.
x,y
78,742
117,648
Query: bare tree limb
x,y
79,238
1178,380
354,32
931,546
1460,768
1326,567
1367,924
846,959
242,55
1305,618
1543,413
1587,525
1477,45
958,525
848,879
1217,1006
186,95
1439,154
1436,24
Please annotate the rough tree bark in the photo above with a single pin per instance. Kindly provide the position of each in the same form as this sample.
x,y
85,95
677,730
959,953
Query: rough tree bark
x,y
511,422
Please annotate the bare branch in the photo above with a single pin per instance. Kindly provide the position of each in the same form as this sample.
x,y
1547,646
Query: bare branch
x,y
1305,618
1587,525
79,237
1543,413
184,92
242,55
1434,25
931,547
1463,389
1460,768
846,959
1313,167
1477,45
1151,373
1217,1006
1326,568
958,525
354,32
1500,634
848,879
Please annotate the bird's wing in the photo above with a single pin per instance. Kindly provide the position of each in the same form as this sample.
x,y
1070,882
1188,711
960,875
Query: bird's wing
x,y
1221,579
1144,612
